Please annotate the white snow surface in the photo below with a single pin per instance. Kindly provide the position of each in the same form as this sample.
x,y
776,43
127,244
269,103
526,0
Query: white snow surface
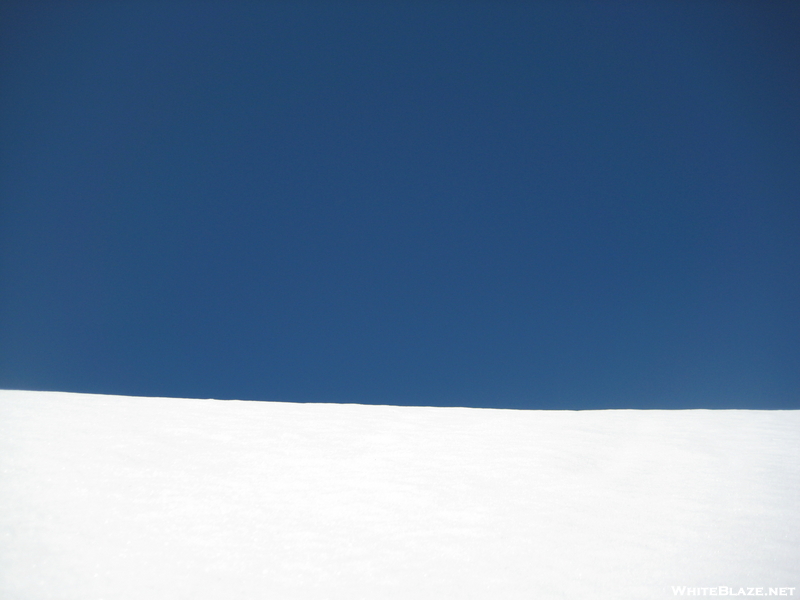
x,y
111,497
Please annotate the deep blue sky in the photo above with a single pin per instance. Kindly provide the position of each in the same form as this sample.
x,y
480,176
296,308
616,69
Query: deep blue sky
x,y
528,205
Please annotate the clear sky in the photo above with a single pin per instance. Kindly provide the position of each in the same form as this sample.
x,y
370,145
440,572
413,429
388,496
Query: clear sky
x,y
523,205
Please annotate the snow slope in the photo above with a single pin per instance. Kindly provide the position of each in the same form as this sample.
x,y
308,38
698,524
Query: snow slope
x,y
131,498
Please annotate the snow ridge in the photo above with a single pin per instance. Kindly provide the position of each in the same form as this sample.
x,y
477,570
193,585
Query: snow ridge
x,y
130,498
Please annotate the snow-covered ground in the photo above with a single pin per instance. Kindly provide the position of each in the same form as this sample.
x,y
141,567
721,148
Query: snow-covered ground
x,y
105,497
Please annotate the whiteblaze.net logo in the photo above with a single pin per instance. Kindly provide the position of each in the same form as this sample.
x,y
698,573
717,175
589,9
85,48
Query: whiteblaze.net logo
x,y
723,590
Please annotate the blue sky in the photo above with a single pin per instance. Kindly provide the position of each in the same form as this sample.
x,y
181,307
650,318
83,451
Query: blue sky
x,y
500,204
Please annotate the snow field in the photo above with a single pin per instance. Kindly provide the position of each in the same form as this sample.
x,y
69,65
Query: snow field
x,y
109,497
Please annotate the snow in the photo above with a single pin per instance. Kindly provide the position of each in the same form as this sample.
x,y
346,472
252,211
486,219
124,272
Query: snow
x,y
110,497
